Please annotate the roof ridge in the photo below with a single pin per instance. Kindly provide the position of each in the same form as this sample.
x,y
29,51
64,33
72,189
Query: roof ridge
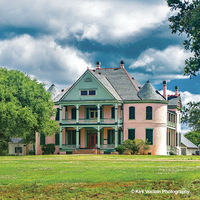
x,y
130,80
112,84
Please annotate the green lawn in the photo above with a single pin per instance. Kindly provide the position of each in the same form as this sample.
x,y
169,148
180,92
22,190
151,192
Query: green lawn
x,y
99,177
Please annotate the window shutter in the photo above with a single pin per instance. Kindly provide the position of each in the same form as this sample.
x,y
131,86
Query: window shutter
x,y
149,135
132,112
57,139
42,139
73,114
69,137
57,114
148,112
131,134
109,137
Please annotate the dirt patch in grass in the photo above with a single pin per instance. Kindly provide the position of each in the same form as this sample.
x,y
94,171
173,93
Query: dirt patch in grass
x,y
143,189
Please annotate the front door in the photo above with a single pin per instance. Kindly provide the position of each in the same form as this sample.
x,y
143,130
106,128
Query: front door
x,y
91,140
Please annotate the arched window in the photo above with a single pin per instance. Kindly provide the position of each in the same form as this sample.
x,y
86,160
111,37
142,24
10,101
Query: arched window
x,y
131,112
148,112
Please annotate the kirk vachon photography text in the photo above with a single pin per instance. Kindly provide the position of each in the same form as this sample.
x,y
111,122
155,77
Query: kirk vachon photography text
x,y
161,191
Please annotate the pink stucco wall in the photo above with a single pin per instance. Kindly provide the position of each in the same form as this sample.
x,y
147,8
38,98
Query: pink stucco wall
x,y
140,124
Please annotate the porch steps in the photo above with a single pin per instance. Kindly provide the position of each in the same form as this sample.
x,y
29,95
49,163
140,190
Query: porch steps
x,y
86,151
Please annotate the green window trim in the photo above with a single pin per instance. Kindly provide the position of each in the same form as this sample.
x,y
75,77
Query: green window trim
x,y
149,112
71,137
111,137
57,139
149,135
18,149
131,134
42,139
131,112
113,112
57,114
73,113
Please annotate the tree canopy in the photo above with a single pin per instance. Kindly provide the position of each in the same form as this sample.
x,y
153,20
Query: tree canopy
x,y
187,20
25,106
193,136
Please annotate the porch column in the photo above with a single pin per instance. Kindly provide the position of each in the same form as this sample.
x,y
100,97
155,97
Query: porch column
x,y
60,113
116,113
121,136
116,137
77,138
77,113
60,137
98,113
98,137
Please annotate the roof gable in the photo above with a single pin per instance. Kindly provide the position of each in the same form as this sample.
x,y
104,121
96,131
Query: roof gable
x,y
91,81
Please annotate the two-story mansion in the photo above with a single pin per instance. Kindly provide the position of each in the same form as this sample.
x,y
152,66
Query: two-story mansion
x,y
106,106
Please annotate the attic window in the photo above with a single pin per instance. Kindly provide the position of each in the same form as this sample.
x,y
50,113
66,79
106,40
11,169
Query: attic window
x,y
88,92
88,80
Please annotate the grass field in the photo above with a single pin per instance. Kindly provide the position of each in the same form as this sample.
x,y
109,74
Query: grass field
x,y
99,177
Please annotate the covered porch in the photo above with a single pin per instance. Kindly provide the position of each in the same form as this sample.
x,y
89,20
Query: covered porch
x,y
100,138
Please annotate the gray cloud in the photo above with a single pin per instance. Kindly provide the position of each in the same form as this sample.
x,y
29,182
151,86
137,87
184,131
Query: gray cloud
x,y
43,58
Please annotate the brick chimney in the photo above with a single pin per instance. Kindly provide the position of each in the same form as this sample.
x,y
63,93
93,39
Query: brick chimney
x,y
165,89
98,65
122,64
176,90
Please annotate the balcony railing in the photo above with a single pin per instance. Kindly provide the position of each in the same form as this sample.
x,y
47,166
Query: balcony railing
x,y
68,146
90,121
171,124
107,146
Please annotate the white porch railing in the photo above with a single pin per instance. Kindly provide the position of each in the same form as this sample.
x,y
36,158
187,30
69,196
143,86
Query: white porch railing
x,y
107,146
68,146
91,121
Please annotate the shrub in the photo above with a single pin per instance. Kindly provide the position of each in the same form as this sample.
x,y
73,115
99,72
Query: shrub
x,y
48,149
133,145
121,149
31,152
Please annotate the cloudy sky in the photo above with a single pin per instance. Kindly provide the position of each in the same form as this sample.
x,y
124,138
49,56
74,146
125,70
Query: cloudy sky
x,y
56,40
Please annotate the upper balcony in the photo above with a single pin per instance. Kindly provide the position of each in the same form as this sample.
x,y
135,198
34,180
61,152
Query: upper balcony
x,y
91,114
91,121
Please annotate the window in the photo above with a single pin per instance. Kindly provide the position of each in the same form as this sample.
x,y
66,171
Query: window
x,y
149,135
88,92
131,134
132,112
57,139
92,92
84,92
111,137
71,137
119,136
113,112
18,149
148,112
57,114
42,139
73,113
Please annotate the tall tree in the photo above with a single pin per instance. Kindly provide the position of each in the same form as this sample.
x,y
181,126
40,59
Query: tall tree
x,y
187,20
25,107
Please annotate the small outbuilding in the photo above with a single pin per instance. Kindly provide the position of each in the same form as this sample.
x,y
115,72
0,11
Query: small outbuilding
x,y
17,146
187,147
